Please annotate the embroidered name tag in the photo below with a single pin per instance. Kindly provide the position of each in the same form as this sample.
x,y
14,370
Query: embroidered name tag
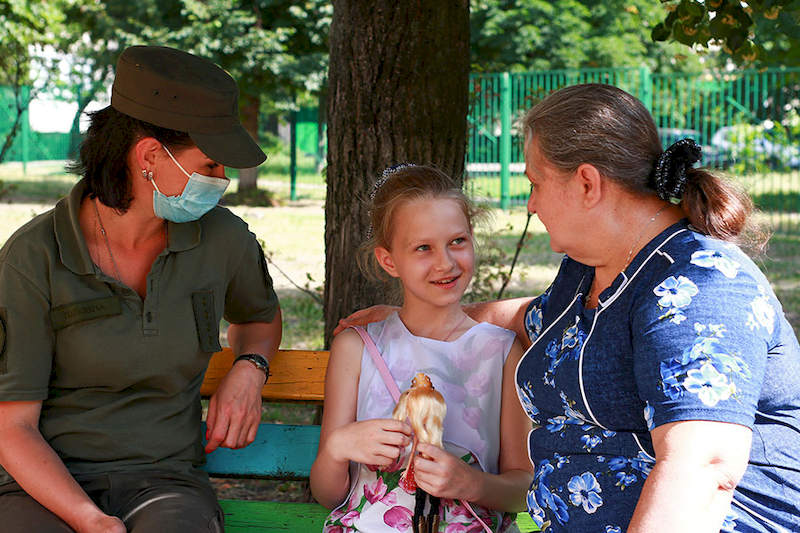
x,y
66,315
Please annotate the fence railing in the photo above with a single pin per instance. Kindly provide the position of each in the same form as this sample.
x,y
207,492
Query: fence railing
x,y
748,123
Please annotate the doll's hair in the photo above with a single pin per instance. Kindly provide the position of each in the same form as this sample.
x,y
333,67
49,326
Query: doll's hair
x,y
397,186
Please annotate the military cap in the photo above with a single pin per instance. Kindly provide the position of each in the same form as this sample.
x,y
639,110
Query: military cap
x,y
183,92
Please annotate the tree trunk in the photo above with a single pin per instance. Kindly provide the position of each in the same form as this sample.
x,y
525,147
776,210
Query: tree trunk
x,y
250,108
397,92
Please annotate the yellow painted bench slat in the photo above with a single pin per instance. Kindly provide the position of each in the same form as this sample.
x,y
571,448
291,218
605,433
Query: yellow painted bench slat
x,y
294,375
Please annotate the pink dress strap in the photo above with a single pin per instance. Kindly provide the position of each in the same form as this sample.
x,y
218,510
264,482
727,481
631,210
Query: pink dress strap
x,y
380,364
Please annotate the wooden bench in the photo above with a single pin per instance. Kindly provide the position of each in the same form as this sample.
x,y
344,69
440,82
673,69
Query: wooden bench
x,y
280,451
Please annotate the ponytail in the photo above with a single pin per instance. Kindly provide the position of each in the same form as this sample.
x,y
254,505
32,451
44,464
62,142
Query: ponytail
x,y
722,209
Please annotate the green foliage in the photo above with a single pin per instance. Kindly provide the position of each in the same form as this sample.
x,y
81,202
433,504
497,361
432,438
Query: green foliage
x,y
275,49
26,30
492,262
528,35
766,32
93,36
271,47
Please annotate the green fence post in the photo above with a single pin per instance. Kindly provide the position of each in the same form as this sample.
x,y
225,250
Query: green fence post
x,y
26,129
293,153
646,87
505,139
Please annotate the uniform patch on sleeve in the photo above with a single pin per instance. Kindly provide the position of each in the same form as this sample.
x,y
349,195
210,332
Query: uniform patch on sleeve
x,y
3,363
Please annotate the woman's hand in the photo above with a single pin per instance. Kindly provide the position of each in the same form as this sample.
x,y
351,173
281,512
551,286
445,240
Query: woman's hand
x,y
376,313
234,411
103,523
376,442
442,474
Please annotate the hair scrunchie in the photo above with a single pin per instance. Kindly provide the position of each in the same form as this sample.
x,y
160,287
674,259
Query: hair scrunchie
x,y
672,165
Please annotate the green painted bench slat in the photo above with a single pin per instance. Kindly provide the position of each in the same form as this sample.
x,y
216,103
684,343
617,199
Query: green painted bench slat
x,y
252,517
280,451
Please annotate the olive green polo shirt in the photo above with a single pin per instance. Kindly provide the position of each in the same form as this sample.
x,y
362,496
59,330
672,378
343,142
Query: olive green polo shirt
x,y
118,376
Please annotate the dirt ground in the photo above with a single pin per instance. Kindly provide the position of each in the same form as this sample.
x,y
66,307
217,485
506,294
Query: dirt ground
x,y
261,489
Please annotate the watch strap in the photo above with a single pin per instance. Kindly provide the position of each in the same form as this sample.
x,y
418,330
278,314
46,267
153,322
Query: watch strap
x,y
257,360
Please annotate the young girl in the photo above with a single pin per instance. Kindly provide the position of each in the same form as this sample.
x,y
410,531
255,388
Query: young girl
x,y
422,235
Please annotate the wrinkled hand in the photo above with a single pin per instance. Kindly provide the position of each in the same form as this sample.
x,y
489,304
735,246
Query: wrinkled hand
x,y
442,474
376,442
376,313
234,411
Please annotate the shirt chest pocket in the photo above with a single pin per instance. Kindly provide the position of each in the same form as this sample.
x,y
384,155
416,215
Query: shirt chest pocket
x,y
206,320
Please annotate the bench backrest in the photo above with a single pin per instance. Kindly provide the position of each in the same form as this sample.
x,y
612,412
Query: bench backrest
x,y
280,451
294,375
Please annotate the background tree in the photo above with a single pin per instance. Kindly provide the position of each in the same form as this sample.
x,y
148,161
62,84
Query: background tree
x,y
527,35
275,49
26,30
763,32
94,35
397,83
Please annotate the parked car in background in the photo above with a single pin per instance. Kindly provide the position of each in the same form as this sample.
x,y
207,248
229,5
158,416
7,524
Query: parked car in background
x,y
752,146
711,155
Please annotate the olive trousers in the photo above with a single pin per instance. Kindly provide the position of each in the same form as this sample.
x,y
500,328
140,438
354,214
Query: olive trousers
x,y
147,502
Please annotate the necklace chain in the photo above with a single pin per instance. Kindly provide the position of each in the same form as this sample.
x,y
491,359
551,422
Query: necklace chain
x,y
455,328
446,337
639,238
105,238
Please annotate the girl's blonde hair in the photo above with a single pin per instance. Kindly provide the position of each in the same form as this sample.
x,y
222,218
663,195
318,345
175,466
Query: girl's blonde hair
x,y
396,187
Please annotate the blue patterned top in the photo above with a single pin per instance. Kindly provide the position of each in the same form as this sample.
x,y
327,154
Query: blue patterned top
x,y
690,331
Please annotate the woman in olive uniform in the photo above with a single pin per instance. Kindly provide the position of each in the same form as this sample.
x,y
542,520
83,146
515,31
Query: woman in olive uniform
x,y
110,307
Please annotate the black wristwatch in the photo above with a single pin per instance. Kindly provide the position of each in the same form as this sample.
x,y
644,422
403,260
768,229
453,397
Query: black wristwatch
x,y
258,360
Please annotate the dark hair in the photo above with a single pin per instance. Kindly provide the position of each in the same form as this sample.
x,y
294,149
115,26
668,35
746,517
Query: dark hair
x,y
608,128
397,186
103,159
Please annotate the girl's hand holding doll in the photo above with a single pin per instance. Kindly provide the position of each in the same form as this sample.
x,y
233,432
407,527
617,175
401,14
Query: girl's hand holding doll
x,y
442,474
377,442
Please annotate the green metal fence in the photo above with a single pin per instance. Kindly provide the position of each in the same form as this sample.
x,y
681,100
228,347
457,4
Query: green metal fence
x,y
28,145
747,122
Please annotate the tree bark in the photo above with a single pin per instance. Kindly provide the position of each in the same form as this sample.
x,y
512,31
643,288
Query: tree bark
x,y
250,106
398,92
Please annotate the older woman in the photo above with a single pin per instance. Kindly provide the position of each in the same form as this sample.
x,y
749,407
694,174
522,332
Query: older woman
x,y
110,306
662,373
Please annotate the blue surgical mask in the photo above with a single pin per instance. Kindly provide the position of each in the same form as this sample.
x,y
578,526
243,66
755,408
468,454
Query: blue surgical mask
x,y
199,196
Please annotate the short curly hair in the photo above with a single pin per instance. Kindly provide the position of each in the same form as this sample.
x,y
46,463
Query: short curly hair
x,y
103,157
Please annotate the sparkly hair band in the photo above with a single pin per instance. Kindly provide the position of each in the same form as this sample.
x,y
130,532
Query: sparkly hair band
x,y
384,177
670,173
